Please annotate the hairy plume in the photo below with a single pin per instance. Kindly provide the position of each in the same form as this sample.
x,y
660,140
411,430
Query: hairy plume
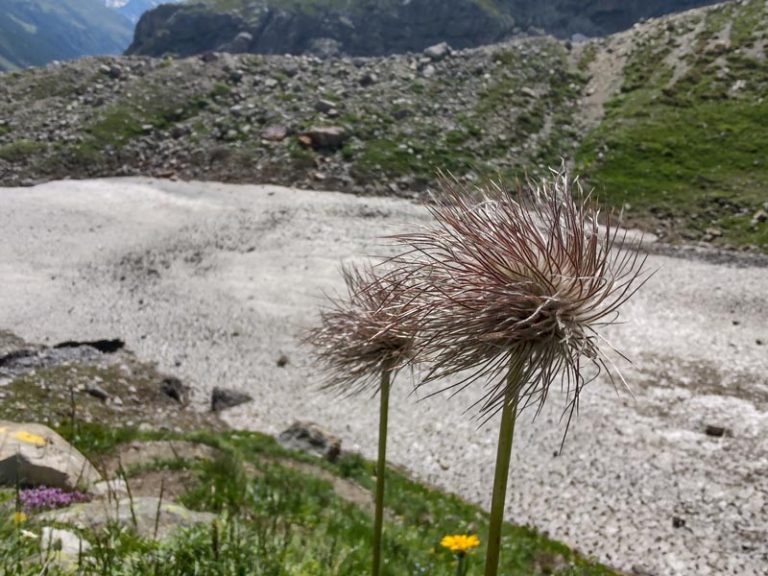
x,y
519,280
373,329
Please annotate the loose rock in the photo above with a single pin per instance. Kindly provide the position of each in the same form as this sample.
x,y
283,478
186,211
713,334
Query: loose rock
x,y
309,437
223,398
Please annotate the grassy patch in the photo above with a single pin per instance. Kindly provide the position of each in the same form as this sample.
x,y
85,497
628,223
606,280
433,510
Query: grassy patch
x,y
21,150
266,526
689,153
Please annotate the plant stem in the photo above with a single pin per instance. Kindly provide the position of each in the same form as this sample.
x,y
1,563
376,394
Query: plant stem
x,y
381,469
460,565
503,455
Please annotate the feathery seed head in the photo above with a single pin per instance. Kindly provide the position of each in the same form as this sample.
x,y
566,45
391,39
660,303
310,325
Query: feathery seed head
x,y
372,330
519,281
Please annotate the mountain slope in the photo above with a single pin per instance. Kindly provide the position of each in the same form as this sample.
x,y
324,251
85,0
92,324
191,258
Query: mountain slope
x,y
376,27
683,143
665,120
34,32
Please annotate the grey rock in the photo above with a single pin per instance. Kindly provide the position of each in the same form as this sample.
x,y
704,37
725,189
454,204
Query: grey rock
x,y
311,438
326,137
223,398
110,488
141,514
715,431
428,71
34,454
324,106
97,392
438,52
62,547
275,133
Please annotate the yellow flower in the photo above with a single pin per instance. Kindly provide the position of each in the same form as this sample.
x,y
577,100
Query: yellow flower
x,y
18,518
460,543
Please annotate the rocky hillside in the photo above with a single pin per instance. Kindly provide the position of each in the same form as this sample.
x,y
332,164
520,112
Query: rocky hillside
x,y
376,27
661,118
35,32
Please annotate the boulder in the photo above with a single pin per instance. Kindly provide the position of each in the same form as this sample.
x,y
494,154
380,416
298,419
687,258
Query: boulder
x,y
325,137
33,454
62,547
438,51
148,517
309,437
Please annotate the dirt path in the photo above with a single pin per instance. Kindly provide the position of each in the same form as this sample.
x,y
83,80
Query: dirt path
x,y
215,282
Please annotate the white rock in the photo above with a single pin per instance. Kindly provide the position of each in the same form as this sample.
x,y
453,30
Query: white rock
x,y
35,454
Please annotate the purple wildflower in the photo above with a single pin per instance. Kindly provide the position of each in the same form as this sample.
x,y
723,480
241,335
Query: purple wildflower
x,y
45,498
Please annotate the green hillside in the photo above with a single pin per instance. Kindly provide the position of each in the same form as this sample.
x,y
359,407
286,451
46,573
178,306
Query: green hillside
x,y
35,32
683,146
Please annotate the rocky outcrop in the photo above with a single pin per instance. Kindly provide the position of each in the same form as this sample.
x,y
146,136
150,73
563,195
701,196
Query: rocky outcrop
x,y
372,29
378,28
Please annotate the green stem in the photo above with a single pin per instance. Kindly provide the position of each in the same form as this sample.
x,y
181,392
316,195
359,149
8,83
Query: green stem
x,y
503,455
460,565
381,469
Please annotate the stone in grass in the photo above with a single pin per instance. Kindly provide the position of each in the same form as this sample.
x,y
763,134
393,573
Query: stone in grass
x,y
141,514
309,437
62,547
34,455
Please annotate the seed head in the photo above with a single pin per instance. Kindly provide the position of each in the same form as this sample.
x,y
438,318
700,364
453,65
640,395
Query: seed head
x,y
372,330
519,281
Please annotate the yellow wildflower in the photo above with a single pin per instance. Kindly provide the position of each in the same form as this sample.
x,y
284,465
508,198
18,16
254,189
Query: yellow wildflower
x,y
460,543
18,518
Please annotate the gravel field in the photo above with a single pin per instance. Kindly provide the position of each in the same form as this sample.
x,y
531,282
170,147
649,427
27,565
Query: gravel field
x,y
215,282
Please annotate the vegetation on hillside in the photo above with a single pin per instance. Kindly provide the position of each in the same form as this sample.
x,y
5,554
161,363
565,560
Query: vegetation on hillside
x,y
682,147
266,526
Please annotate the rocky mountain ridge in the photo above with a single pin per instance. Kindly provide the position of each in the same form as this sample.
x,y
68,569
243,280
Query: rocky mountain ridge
x,y
368,28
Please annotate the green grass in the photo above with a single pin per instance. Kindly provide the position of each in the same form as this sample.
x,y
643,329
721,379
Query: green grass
x,y
21,150
266,526
690,154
